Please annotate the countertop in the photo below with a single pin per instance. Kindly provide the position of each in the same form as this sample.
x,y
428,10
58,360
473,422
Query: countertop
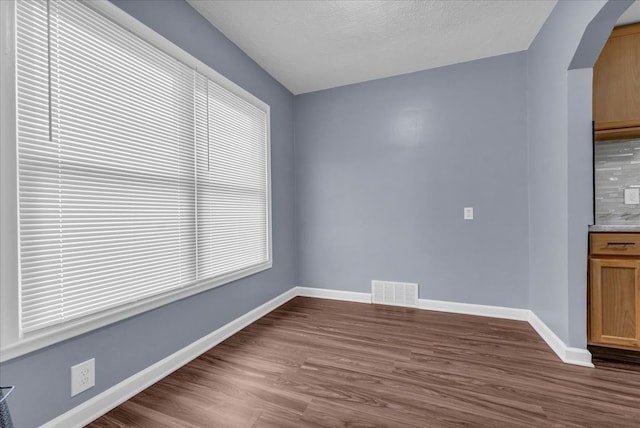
x,y
614,228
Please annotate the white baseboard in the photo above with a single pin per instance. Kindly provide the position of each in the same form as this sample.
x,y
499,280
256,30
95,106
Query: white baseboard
x,y
100,404
325,293
472,309
569,355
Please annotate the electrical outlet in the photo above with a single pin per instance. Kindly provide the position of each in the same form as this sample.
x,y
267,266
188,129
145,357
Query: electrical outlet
x,y
83,376
632,196
468,213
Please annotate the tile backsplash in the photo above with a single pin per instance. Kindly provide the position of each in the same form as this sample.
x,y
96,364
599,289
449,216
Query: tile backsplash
x,y
617,167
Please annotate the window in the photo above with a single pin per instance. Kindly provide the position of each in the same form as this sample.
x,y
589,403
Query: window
x,y
143,176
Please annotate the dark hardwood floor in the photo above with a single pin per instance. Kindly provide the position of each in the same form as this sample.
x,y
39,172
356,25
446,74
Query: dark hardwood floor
x,y
323,363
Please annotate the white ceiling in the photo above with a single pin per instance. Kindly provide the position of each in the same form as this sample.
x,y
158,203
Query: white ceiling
x,y
312,45
631,15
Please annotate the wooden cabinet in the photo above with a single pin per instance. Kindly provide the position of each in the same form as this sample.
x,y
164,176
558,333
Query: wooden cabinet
x,y
615,300
614,291
614,244
616,85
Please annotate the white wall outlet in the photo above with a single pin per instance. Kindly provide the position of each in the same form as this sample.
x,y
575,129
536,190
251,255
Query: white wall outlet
x,y
468,213
632,196
83,376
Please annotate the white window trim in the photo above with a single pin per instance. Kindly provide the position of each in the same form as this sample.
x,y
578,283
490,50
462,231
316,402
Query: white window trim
x,y
11,344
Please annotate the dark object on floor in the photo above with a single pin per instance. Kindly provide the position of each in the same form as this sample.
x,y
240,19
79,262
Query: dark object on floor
x,y
5,416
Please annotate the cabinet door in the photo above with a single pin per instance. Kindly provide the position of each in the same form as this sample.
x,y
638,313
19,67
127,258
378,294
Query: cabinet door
x,y
616,81
615,302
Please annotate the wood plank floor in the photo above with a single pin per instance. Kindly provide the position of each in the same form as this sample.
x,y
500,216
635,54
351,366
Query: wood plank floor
x,y
323,363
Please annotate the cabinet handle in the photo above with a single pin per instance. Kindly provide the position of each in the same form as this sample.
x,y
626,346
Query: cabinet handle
x,y
621,243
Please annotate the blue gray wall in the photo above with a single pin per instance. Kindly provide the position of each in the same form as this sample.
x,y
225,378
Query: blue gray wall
x,y
559,159
123,349
384,169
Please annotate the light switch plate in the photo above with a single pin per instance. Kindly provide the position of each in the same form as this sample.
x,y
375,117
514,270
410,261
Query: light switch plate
x,y
468,213
632,196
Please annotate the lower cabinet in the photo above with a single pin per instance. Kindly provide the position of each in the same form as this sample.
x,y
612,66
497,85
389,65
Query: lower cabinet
x,y
614,302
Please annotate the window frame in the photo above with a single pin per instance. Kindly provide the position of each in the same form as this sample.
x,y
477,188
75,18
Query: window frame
x,y
12,344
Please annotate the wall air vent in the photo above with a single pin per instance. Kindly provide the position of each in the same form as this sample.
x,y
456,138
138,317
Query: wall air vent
x,y
395,293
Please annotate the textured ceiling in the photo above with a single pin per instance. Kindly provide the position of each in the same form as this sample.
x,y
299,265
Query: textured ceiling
x,y
631,15
313,45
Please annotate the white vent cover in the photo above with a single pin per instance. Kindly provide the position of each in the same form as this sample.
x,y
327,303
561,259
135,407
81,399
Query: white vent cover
x,y
395,293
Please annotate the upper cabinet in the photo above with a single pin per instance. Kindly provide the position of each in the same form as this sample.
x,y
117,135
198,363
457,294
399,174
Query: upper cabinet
x,y
616,85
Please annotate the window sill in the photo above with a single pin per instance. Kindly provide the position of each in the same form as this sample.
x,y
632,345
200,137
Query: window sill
x,y
58,333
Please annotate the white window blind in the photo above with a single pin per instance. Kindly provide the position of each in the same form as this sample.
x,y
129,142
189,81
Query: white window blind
x,y
137,175
232,193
